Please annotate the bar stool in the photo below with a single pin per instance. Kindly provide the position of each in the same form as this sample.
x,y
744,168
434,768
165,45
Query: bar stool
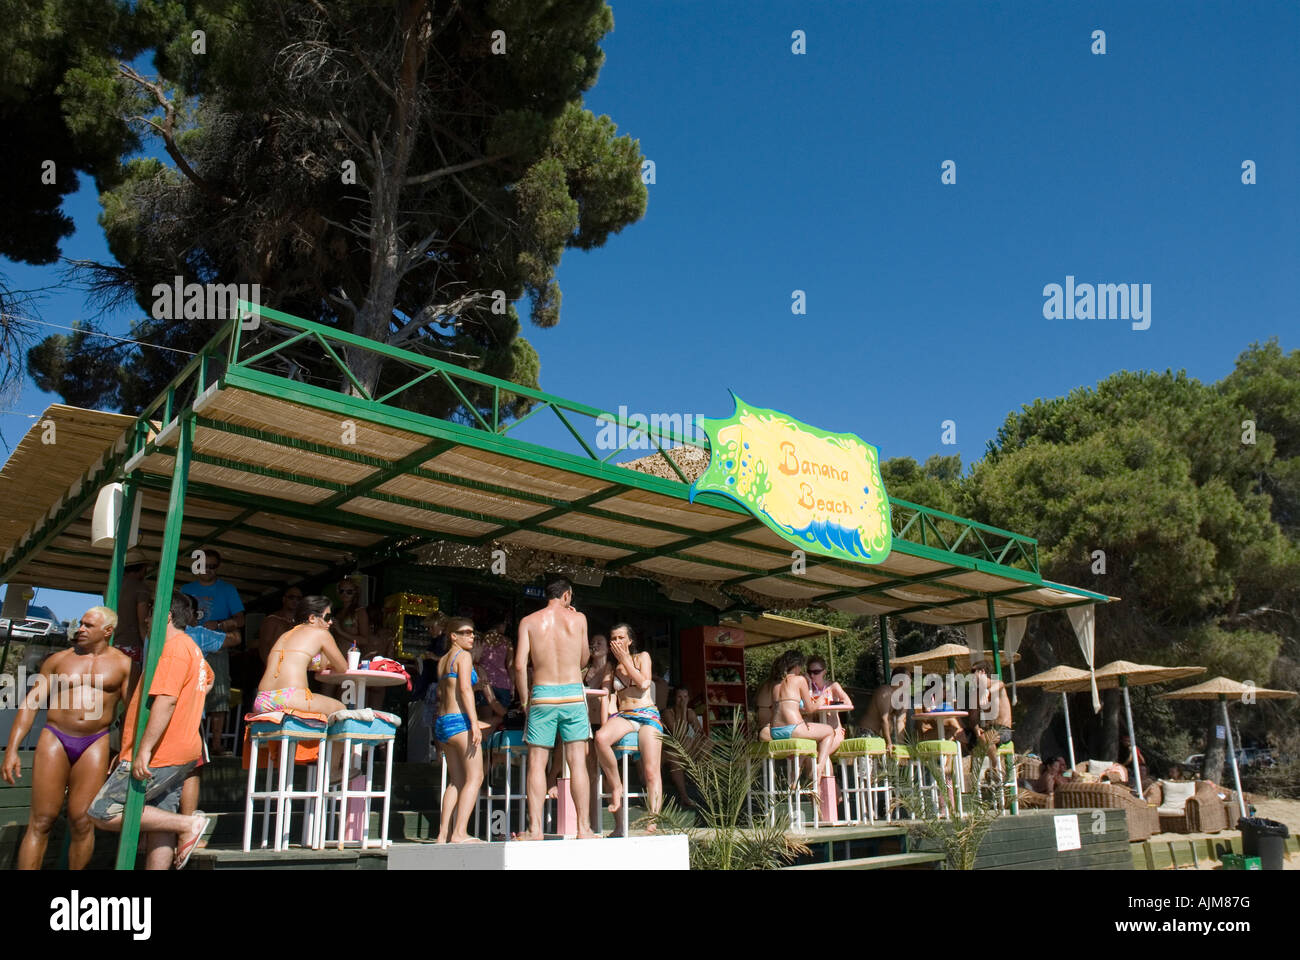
x,y
908,768
872,781
948,753
792,752
366,730
281,733
847,755
511,742
629,746
1007,757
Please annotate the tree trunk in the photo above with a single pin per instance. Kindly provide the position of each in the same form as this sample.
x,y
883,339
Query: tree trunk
x,y
1111,708
1035,720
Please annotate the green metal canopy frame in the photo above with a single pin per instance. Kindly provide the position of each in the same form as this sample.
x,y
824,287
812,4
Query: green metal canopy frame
x,y
244,460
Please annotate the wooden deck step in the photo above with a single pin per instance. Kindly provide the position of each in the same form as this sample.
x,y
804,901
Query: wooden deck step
x,y
893,861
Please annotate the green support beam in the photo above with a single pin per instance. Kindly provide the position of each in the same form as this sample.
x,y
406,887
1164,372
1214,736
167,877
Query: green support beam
x,y
126,850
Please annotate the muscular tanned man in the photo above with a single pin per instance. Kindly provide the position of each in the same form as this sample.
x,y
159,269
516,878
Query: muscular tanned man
x,y
553,641
82,687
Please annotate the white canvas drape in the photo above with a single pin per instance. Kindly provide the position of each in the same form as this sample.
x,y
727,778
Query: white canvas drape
x,y
975,641
1015,633
1084,621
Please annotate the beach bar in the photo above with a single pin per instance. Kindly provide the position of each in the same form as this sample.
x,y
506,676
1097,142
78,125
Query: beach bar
x,y
301,479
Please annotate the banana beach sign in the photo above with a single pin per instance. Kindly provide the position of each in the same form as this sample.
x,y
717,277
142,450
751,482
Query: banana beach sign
x,y
819,490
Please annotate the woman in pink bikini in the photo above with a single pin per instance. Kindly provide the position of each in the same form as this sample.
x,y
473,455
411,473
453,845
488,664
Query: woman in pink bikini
x,y
284,684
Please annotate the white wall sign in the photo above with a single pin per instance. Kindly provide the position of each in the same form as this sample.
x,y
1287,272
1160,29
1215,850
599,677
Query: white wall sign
x,y
1067,832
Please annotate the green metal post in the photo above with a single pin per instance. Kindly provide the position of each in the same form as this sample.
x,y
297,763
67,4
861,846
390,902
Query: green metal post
x,y
126,848
883,620
120,537
830,655
993,633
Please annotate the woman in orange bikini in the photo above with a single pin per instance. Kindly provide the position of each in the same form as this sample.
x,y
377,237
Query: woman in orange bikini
x,y
284,684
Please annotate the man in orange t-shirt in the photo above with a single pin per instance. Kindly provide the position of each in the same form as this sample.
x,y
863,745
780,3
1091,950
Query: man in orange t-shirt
x,y
169,749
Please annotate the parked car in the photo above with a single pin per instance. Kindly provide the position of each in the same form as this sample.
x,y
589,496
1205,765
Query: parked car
x,y
1195,762
40,624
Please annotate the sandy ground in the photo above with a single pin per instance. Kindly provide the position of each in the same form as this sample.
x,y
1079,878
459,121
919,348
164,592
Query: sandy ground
x,y
1283,811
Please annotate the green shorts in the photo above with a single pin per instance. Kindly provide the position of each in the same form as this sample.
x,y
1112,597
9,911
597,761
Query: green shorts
x,y
568,718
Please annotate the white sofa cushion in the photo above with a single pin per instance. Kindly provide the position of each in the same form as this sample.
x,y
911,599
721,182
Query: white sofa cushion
x,y
1174,796
1098,767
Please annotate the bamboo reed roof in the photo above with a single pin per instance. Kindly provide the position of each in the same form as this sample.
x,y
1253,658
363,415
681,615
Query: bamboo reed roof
x,y
288,489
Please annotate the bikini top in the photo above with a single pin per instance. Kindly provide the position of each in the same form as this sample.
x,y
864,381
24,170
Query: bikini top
x,y
473,674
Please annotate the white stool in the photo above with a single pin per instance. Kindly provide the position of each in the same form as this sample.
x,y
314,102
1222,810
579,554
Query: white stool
x,y
281,737
365,730
948,753
792,751
855,796
511,742
629,746
909,770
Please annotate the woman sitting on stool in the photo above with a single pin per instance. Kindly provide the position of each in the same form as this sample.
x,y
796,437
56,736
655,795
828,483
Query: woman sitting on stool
x,y
790,698
632,682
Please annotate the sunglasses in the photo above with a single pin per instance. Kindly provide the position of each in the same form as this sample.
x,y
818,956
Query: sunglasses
x,y
328,618
817,671
464,630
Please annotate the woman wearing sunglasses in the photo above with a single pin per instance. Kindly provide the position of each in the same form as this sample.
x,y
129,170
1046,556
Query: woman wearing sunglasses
x,y
458,732
304,647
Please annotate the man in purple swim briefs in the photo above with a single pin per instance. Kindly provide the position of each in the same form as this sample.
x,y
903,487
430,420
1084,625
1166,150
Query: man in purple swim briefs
x,y
79,688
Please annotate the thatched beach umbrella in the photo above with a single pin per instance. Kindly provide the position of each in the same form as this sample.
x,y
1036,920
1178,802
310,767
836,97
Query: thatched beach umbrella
x,y
1049,680
1221,688
955,657
1125,674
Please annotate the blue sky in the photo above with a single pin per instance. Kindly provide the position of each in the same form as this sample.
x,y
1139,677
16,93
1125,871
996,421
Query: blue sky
x,y
820,172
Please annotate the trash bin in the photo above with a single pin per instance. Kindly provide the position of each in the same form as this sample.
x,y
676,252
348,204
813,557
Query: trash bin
x,y
1265,839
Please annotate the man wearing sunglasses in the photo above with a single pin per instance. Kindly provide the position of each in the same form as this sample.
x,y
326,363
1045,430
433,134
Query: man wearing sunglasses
x,y
219,609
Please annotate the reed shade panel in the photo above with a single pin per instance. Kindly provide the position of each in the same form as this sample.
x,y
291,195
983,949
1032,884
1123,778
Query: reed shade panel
x,y
773,628
37,473
382,473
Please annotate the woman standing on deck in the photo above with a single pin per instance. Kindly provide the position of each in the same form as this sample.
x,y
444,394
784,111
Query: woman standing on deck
x,y
458,733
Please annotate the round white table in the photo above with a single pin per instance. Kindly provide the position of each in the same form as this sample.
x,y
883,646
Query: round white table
x,y
358,680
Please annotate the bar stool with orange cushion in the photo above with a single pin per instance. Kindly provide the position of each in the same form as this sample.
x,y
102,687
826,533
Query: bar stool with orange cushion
x,y
289,737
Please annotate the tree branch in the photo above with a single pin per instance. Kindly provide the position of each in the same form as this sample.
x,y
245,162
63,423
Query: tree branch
x,y
167,130
454,168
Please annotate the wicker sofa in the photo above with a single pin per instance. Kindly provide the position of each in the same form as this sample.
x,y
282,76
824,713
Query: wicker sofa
x,y
1142,818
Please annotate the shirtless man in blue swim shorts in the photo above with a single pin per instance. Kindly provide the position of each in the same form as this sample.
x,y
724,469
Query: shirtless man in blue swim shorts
x,y
553,641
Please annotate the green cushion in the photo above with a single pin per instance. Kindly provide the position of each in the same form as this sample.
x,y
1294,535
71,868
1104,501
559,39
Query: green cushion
x,y
855,747
901,752
1006,748
941,747
779,749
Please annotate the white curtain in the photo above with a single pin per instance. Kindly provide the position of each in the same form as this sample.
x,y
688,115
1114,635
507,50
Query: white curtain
x,y
1015,633
975,640
1084,620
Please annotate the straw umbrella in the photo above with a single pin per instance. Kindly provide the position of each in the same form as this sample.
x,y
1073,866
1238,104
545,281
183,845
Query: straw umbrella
x,y
1221,688
1125,674
1050,680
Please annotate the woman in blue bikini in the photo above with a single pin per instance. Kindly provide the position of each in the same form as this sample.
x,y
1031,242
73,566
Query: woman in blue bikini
x,y
458,732
790,697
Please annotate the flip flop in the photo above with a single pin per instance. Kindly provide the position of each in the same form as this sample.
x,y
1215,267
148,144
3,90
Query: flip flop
x,y
186,849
